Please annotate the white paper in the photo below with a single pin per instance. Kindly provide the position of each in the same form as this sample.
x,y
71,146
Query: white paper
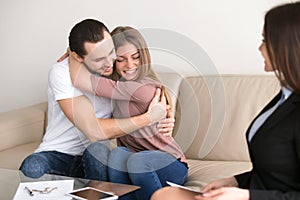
x,y
63,187
183,187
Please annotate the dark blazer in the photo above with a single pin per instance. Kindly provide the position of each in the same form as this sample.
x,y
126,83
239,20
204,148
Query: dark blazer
x,y
275,153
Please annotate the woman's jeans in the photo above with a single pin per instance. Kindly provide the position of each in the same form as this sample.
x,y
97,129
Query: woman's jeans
x,y
148,169
91,165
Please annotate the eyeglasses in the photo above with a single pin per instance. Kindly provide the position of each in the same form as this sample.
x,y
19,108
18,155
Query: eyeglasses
x,y
47,190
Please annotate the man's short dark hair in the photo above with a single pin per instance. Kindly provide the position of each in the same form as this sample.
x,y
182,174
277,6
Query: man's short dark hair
x,y
88,30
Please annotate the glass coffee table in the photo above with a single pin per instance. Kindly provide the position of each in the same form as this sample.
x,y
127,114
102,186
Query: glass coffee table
x,y
10,179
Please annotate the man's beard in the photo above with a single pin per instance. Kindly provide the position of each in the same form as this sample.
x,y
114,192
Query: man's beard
x,y
90,70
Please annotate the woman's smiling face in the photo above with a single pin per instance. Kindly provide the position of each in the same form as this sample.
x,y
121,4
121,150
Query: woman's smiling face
x,y
128,61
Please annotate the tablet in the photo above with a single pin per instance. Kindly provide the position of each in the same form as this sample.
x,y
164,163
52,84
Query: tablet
x,y
182,187
89,193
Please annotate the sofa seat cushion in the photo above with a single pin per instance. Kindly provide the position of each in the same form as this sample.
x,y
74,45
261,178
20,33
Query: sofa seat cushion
x,y
12,158
202,172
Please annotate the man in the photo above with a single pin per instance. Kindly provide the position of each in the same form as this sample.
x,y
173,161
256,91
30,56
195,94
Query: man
x,y
66,148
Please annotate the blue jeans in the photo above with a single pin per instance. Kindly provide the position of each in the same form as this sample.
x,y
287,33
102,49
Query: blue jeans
x,y
91,165
148,169
95,160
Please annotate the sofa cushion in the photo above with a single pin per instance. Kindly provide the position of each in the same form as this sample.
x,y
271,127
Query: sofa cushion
x,y
213,113
171,82
13,158
22,126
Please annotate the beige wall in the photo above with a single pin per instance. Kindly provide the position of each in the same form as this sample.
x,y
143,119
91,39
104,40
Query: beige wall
x,y
34,34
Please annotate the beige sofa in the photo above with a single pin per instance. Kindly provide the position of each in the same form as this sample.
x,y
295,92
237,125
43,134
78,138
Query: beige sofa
x,y
212,115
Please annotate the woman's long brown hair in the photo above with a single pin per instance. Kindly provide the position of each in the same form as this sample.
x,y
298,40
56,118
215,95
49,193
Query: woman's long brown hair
x,y
126,34
282,37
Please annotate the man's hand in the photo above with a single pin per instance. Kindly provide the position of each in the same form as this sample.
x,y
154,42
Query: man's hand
x,y
166,125
157,108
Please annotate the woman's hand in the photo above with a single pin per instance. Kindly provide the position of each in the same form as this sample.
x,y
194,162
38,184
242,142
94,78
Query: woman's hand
x,y
75,68
64,56
80,76
224,182
225,193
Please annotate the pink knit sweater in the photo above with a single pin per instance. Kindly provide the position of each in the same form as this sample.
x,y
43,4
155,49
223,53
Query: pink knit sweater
x,y
132,98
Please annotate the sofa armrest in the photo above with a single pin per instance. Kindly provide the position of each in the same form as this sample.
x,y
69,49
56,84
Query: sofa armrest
x,y
22,126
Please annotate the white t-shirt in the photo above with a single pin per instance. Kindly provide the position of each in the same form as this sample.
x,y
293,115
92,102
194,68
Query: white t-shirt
x,y
61,135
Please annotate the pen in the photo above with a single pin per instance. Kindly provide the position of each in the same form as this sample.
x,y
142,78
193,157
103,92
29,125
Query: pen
x,y
29,191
